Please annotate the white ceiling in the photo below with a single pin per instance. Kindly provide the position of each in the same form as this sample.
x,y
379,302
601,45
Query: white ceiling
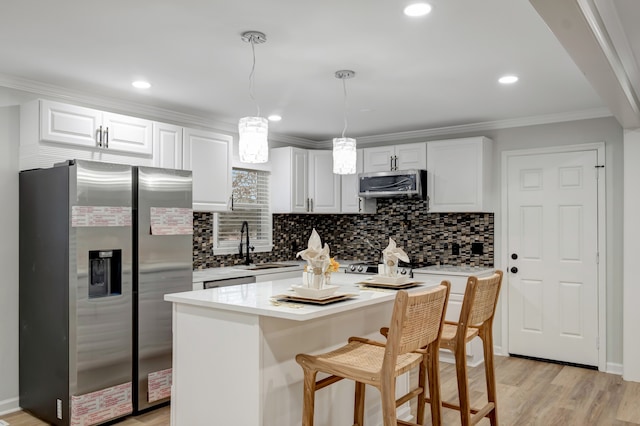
x,y
412,73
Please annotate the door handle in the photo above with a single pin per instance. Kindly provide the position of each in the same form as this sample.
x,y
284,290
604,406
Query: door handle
x,y
99,136
514,256
514,270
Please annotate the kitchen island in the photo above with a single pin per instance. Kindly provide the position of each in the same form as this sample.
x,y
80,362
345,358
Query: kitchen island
x,y
234,353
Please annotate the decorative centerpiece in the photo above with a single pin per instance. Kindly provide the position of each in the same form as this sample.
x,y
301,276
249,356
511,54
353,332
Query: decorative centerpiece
x,y
317,271
390,257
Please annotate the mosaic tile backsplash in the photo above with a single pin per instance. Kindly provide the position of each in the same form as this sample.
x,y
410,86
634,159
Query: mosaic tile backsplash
x,y
428,238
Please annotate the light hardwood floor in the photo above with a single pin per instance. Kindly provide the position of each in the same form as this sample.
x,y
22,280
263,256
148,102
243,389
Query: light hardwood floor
x,y
529,393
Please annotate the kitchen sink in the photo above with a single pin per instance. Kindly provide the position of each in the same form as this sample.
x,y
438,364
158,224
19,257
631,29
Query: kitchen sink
x,y
266,266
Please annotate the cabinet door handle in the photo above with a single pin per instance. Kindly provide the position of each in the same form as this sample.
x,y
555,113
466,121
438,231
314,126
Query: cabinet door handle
x,y
106,137
359,205
395,162
99,136
311,203
391,163
307,205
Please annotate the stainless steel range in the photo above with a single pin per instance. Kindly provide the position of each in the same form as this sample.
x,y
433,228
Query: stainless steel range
x,y
371,268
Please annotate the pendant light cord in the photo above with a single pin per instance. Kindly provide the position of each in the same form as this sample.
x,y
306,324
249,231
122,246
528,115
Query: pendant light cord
x,y
344,88
251,76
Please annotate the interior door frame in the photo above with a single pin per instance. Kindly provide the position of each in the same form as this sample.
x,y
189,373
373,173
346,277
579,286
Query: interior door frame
x,y
599,147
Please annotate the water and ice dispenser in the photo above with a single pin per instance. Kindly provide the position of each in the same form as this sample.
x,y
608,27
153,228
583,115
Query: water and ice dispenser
x,y
105,273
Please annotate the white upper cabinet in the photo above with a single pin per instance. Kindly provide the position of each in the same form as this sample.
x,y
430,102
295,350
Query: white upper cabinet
x,y
86,127
324,185
53,132
289,180
167,146
459,175
351,203
396,157
208,156
302,181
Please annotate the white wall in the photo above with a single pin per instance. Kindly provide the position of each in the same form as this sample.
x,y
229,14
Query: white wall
x,y
631,351
605,130
9,139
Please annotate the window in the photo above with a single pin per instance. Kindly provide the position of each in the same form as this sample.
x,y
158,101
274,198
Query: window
x,y
250,202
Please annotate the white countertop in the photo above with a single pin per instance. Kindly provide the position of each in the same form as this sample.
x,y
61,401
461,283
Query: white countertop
x,y
464,270
256,298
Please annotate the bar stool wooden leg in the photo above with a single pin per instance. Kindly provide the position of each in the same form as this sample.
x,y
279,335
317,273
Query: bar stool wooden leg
x,y
388,396
308,403
490,374
433,371
463,384
358,409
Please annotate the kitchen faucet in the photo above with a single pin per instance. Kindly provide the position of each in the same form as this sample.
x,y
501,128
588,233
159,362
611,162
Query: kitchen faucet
x,y
245,226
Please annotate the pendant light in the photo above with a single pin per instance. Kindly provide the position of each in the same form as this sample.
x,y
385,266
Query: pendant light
x,y
344,149
253,144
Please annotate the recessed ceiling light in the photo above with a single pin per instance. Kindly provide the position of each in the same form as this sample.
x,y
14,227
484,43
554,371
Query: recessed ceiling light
x,y
141,84
274,117
417,9
508,79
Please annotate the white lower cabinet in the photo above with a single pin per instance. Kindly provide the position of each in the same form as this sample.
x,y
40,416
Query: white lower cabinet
x,y
208,156
458,281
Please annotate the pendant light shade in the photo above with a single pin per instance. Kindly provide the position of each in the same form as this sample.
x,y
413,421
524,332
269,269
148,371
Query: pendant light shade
x,y
344,156
253,144
344,149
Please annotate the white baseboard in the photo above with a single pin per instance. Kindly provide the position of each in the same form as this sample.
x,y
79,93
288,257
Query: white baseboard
x,y
614,368
9,406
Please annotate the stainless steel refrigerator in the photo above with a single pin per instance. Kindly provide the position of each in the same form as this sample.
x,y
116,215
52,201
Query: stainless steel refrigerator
x,y
100,244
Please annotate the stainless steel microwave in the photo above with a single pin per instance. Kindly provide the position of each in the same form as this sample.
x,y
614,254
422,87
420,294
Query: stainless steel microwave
x,y
397,183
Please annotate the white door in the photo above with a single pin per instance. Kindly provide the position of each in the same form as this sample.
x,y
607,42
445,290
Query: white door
x,y
552,241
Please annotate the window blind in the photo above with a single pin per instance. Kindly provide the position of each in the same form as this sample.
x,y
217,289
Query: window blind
x,y
250,202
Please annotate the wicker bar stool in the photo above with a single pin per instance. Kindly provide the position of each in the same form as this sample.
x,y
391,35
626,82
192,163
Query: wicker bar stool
x,y
415,328
476,319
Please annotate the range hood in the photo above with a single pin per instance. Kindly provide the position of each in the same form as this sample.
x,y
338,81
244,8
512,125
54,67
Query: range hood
x,y
393,184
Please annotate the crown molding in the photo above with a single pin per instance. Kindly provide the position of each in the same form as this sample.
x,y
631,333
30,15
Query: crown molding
x,y
480,127
133,108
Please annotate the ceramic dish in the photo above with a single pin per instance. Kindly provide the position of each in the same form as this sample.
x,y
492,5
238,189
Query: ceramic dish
x,y
337,297
314,293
